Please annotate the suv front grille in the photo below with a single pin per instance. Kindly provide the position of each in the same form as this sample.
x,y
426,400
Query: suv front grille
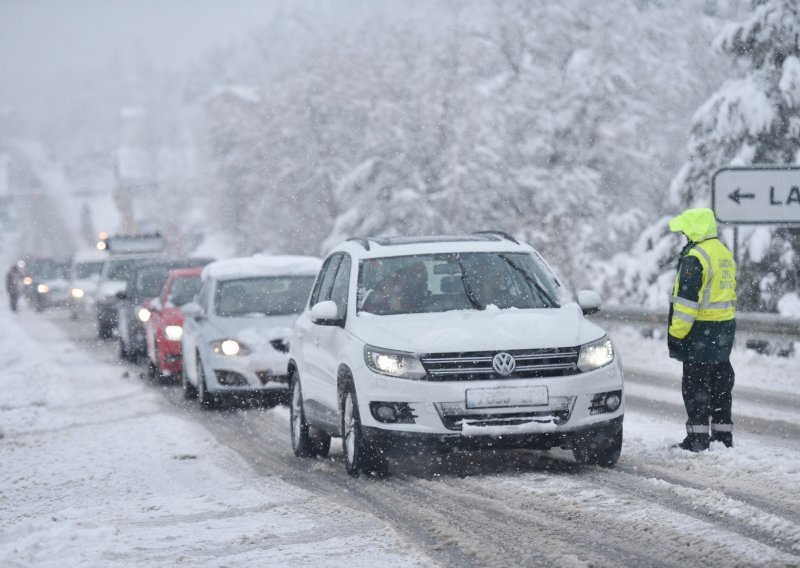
x,y
477,366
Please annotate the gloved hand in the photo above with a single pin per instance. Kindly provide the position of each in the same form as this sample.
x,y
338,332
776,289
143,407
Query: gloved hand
x,y
676,347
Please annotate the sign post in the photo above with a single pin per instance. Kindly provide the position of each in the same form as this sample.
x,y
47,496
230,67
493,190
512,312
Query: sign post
x,y
768,195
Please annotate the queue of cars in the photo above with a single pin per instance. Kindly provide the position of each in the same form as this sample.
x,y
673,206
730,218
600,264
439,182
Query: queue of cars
x,y
392,344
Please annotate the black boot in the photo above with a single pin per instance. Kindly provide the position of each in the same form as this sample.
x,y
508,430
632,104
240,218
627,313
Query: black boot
x,y
724,437
694,443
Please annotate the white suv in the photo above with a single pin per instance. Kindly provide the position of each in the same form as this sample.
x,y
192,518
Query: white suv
x,y
459,341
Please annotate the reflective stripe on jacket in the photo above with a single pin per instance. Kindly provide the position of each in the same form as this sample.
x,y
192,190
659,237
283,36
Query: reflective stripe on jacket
x,y
717,297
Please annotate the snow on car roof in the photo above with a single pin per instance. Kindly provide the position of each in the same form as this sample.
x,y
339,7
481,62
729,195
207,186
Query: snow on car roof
x,y
262,265
402,246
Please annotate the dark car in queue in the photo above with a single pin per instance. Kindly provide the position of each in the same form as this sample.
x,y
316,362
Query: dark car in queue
x,y
144,283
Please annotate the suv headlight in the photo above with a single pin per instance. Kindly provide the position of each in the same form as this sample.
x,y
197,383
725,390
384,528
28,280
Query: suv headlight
x,y
596,354
229,347
394,363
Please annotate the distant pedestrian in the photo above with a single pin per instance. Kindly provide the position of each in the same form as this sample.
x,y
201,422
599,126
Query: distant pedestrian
x,y
702,328
13,279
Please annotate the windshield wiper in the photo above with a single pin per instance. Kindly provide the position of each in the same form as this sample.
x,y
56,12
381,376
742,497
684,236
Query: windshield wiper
x,y
530,279
470,294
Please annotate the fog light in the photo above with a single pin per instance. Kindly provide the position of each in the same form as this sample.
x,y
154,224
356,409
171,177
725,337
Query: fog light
x,y
605,402
386,413
613,400
144,315
392,412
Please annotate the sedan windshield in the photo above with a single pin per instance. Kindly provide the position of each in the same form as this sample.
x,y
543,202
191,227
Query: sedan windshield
x,y
183,290
454,281
271,296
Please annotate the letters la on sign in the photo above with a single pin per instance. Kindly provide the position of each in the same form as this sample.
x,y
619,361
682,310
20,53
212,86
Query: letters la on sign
x,y
757,195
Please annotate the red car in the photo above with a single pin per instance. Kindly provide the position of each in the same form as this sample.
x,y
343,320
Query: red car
x,y
165,326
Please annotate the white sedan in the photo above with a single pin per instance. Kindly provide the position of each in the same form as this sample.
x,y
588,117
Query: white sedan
x,y
236,332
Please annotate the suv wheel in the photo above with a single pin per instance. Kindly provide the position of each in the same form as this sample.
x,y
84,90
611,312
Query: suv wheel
x,y
358,454
207,400
301,442
600,447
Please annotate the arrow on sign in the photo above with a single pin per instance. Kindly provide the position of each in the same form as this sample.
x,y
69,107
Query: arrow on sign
x,y
737,196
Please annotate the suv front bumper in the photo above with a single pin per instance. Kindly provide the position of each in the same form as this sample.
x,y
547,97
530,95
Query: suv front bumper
x,y
439,409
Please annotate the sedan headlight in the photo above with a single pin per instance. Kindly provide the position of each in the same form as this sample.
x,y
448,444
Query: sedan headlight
x,y
229,347
76,293
596,354
143,315
173,332
394,363
43,288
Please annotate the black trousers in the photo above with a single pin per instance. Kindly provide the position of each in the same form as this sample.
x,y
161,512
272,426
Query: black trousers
x,y
707,395
12,300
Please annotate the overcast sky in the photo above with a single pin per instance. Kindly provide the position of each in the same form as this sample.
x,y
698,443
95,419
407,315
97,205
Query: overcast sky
x,y
48,44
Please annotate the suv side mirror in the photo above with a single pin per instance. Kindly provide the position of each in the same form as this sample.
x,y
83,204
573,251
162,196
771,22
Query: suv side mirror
x,y
589,301
192,310
122,295
326,313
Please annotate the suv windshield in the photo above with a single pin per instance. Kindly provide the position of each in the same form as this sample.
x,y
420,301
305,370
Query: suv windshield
x,y
454,281
271,296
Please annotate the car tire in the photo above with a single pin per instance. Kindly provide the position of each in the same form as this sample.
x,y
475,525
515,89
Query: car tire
x,y
599,447
104,330
304,445
358,454
207,400
189,390
122,351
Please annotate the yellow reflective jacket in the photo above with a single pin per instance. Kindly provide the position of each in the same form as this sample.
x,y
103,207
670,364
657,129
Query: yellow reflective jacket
x,y
716,301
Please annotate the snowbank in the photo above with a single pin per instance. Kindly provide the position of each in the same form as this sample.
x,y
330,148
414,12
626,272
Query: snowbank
x,y
98,470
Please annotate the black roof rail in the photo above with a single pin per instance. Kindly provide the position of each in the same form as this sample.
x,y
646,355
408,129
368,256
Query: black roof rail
x,y
498,233
363,242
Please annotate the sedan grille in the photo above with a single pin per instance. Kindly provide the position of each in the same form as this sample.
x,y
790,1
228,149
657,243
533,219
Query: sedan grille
x,y
477,366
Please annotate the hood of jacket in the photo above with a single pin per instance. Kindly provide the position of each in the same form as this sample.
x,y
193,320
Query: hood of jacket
x,y
697,224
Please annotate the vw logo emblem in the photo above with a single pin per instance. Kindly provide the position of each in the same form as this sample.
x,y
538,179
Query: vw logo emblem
x,y
504,363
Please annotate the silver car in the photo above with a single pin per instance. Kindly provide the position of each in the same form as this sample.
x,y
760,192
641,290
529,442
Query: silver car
x,y
236,333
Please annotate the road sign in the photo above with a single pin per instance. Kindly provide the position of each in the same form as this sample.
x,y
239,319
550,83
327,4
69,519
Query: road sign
x,y
757,195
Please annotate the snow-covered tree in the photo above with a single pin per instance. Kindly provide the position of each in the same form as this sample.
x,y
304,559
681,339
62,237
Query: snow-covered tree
x,y
752,119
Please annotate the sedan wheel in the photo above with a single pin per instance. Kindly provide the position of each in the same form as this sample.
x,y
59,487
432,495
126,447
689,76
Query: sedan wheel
x,y
207,400
189,390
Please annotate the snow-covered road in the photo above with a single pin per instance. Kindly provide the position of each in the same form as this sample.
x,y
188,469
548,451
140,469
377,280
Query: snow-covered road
x,y
100,467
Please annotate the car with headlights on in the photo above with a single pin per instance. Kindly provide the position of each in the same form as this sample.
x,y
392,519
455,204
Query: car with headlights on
x,y
144,283
84,275
164,328
46,282
236,332
466,341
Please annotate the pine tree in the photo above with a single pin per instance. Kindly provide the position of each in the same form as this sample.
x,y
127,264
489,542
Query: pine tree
x,y
751,119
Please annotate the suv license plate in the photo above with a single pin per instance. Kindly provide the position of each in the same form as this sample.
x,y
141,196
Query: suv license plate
x,y
507,397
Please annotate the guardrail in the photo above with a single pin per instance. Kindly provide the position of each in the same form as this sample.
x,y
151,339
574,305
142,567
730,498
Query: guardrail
x,y
752,323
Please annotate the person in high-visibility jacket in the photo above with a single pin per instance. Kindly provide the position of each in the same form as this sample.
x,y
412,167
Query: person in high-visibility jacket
x,y
702,326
